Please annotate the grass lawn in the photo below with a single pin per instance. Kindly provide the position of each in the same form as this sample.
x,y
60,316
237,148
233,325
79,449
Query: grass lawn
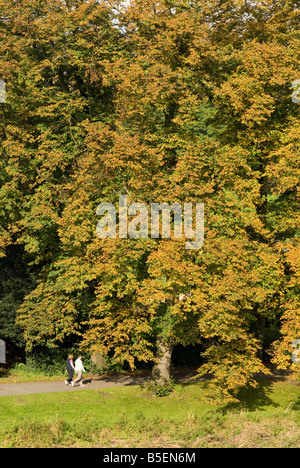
x,y
23,373
267,416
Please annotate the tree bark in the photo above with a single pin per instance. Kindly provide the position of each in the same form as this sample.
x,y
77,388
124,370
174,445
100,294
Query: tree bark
x,y
162,369
99,361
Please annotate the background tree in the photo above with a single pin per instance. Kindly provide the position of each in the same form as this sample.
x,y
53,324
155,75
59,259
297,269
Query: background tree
x,y
52,61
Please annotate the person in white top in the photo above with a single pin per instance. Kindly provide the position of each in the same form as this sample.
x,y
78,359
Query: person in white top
x,y
78,369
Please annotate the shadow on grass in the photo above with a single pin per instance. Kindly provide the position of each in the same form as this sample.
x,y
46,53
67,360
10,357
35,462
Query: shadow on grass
x,y
250,398
256,398
259,398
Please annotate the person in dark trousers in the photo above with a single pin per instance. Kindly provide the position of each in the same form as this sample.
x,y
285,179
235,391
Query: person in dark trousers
x,y
70,369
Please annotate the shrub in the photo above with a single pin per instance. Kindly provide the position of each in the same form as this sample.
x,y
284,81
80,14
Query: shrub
x,y
160,389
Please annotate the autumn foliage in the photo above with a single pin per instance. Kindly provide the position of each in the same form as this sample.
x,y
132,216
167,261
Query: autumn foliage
x,y
165,101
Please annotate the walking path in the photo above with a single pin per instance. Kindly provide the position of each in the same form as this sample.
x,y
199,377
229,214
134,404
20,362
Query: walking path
x,y
104,381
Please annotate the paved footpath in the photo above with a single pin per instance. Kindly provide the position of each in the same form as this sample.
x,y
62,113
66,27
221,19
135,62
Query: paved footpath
x,y
90,382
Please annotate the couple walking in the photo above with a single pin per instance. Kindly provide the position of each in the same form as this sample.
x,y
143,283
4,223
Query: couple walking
x,y
78,369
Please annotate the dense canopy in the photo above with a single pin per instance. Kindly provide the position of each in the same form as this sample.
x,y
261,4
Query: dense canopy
x,y
162,101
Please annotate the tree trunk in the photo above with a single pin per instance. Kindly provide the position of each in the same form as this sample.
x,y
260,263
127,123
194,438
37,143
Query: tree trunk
x,y
99,361
162,369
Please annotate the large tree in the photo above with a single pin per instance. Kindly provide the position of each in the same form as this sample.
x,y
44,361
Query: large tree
x,y
162,101
208,89
52,56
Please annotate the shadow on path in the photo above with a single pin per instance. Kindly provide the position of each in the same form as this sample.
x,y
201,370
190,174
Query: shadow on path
x,y
95,381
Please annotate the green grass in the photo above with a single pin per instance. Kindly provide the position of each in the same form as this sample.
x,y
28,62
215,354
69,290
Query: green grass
x,y
267,416
26,373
